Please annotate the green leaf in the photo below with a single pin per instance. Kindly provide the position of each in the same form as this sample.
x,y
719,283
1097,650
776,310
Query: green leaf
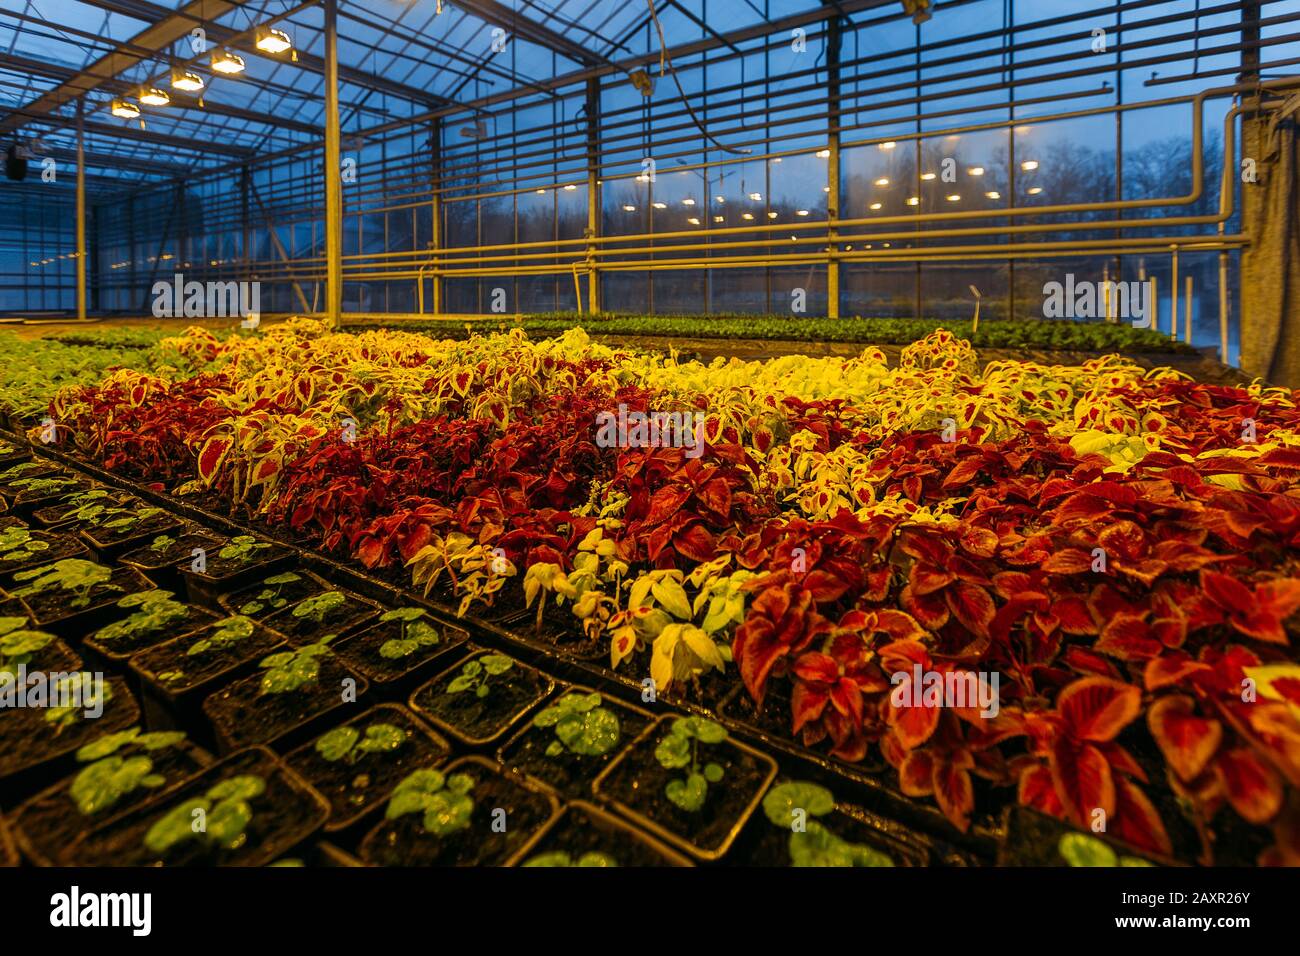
x,y
448,812
106,744
496,664
673,752
103,783
818,846
227,822
1080,849
785,798
382,738
398,647
174,827
403,614
242,787
591,733
713,772
338,743
688,793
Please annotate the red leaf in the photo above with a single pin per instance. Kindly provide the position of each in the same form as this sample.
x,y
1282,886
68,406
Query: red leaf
x,y
1098,708
1069,561
1082,780
1253,789
1136,821
972,606
1187,740
954,792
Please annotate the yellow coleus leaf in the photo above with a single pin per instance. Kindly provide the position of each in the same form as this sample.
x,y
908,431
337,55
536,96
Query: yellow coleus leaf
x,y
672,597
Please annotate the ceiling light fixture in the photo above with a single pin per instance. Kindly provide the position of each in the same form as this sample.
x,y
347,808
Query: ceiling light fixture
x,y
186,81
271,40
223,61
1029,165
124,109
152,96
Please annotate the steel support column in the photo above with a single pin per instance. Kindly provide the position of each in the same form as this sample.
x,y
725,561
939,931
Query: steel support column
x,y
333,174
833,166
435,140
593,193
81,211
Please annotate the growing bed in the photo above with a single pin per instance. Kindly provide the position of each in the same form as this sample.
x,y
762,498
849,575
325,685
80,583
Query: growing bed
x,y
395,584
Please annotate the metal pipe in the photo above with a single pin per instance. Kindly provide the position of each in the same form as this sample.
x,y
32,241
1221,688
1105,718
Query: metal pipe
x,y
81,210
333,174
1187,313
1173,295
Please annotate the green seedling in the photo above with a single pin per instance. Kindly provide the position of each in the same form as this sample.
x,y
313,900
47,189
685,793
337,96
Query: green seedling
x,y
269,597
581,725
17,644
86,505
83,692
445,801
474,675
221,635
791,806
43,486
1081,849
17,471
347,743
318,606
157,611
76,576
122,520
416,633
680,749
18,544
111,774
161,543
243,549
290,670
218,819
564,858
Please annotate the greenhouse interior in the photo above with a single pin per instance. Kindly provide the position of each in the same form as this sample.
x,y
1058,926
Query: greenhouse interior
x,y
589,433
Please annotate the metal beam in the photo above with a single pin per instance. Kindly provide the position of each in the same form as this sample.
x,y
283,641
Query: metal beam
x,y
81,213
333,175
70,77
125,131
499,15
145,10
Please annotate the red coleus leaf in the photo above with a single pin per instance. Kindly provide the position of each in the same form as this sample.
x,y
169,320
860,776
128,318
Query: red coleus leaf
x,y
666,502
1035,789
1082,778
972,606
779,623
1187,740
1129,639
931,610
1252,787
1170,669
916,775
953,790
211,455
695,542
1136,821
1068,561
1124,540
1259,613
1098,708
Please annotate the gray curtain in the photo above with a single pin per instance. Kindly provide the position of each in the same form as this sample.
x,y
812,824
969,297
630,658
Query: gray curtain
x,y
1270,265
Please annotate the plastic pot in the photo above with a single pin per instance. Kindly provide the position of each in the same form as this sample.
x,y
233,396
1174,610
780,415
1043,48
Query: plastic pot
x,y
403,841
634,784
393,678
285,816
479,721
583,828
356,787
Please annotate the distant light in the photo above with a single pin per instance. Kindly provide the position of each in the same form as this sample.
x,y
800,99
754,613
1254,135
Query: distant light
x,y
826,189
693,221
271,40
771,215
976,170
223,61
801,212
124,109
875,205
993,194
688,202
955,197
889,145
570,188
913,201
1035,190
747,215
757,197
541,192
717,219
661,205
927,176
186,81
823,154
777,160
629,208
718,199
1029,165
882,181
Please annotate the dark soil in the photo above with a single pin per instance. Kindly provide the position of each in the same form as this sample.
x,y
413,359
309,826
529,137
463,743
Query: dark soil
x,y
352,614
569,773
770,844
353,788
123,647
53,606
638,782
27,738
102,538
477,719
206,668
51,823
236,601
404,841
218,570
283,816
242,716
60,546
361,651
579,832
179,552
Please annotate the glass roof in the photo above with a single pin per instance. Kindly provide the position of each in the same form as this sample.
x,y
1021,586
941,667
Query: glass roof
x,y
398,59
